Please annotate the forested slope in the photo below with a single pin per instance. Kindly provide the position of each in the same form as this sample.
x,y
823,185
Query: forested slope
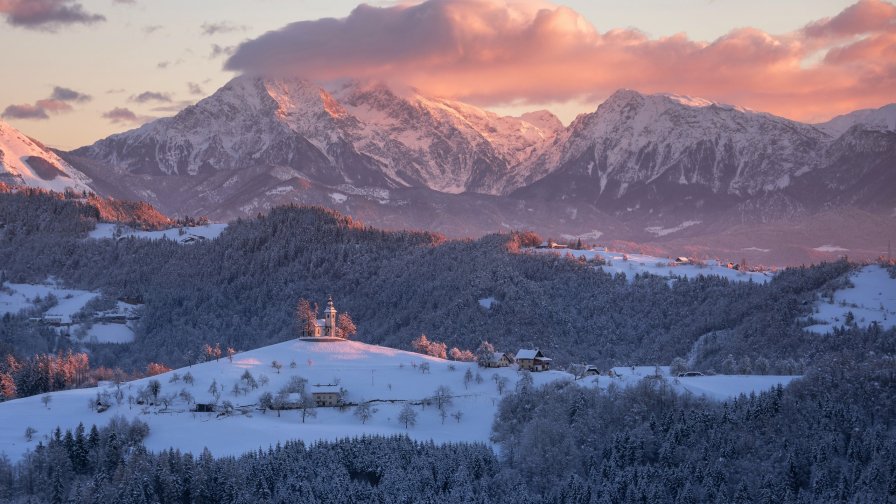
x,y
241,289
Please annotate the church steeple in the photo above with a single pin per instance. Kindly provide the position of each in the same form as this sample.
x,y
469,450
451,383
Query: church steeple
x,y
330,318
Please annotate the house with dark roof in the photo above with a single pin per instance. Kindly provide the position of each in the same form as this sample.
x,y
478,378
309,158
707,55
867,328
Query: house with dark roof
x,y
532,360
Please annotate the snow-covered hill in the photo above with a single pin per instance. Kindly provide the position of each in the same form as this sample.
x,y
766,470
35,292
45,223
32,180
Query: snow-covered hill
x,y
385,377
24,161
869,299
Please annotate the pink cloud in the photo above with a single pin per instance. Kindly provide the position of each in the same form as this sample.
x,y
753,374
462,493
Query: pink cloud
x,y
495,52
865,16
25,111
46,14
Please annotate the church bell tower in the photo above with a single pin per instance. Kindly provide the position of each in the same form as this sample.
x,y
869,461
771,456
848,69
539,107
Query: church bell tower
x,y
330,319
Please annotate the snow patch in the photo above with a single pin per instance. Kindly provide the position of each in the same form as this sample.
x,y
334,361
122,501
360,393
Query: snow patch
x,y
590,235
184,235
487,303
661,231
633,264
17,297
106,333
338,197
830,248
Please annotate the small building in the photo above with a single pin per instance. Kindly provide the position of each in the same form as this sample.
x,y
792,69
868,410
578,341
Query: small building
x,y
591,370
499,359
533,360
326,395
550,244
682,260
323,329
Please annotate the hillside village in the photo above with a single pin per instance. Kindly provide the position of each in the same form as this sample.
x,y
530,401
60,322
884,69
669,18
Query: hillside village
x,y
320,386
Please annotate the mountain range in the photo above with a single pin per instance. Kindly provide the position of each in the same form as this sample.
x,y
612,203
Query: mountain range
x,y
672,173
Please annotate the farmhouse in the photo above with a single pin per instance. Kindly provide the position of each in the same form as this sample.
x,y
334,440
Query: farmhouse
x,y
326,395
499,359
532,360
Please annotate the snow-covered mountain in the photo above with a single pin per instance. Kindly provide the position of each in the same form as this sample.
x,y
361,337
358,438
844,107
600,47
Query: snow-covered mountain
x,y
355,133
880,119
645,168
636,146
24,161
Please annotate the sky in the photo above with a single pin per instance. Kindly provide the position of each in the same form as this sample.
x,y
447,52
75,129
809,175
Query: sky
x,y
75,71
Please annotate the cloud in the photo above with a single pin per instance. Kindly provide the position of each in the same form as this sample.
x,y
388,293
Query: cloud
x,y
222,27
47,15
865,16
149,96
148,30
59,102
123,115
498,52
195,89
69,95
54,106
221,50
25,111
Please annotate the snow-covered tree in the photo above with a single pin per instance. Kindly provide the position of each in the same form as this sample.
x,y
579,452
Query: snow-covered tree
x,y
407,416
364,411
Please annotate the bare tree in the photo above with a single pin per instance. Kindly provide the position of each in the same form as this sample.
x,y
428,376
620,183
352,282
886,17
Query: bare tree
x,y
364,412
443,397
308,406
407,416
306,316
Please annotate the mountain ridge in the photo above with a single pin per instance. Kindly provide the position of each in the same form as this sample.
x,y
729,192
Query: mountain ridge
x,y
638,168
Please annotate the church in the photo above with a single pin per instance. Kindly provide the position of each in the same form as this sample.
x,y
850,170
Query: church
x,y
323,329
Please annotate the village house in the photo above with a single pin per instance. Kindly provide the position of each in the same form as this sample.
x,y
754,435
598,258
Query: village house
x,y
326,395
499,359
532,360
591,370
550,244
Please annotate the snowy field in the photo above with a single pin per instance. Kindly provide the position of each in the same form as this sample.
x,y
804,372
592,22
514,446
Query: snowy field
x,y
103,333
180,235
632,264
366,372
871,299
17,297
718,387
